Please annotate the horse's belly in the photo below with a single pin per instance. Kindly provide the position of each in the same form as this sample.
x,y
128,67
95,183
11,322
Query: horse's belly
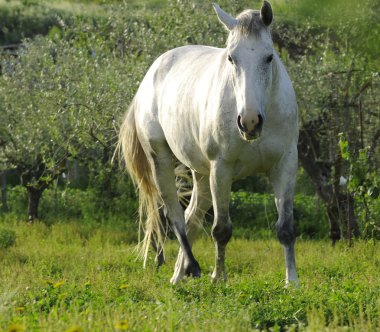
x,y
187,150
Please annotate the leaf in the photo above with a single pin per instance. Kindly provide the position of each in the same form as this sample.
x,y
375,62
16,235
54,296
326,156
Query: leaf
x,y
343,145
373,192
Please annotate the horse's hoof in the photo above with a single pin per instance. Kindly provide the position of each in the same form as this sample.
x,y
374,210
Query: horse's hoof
x,y
289,284
193,269
160,260
176,279
218,277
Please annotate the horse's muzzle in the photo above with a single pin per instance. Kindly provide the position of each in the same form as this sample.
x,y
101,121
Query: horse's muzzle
x,y
253,134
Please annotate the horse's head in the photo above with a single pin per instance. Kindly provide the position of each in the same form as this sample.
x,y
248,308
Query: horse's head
x,y
249,55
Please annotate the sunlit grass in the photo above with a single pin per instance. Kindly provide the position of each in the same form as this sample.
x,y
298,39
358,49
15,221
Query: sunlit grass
x,y
60,278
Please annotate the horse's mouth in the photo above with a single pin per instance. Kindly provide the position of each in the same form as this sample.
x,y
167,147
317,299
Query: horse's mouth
x,y
253,135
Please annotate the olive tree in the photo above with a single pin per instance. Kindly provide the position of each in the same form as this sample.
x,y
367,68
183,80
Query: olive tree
x,y
58,101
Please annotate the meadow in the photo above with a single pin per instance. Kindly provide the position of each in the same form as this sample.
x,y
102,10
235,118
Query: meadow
x,y
73,277
75,268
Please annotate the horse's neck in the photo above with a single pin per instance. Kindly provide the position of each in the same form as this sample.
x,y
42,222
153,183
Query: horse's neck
x,y
282,105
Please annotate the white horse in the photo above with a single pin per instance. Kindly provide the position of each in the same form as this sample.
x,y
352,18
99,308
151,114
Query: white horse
x,y
225,114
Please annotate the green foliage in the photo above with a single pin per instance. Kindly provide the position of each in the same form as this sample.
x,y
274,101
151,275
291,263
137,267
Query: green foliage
x,y
353,26
17,201
254,215
62,98
65,205
364,184
7,238
20,21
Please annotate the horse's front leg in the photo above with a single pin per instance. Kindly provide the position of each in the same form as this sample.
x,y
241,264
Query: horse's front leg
x,y
283,177
220,184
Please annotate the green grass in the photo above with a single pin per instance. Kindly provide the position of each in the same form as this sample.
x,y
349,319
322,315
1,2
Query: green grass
x,y
72,277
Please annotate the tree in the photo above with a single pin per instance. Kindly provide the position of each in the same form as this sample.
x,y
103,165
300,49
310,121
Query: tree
x,y
59,98
35,133
336,94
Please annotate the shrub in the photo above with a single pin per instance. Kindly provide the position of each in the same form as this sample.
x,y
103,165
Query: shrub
x,y
257,213
7,238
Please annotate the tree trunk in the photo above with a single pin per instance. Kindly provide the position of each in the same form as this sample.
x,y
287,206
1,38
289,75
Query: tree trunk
x,y
341,214
34,196
4,204
325,175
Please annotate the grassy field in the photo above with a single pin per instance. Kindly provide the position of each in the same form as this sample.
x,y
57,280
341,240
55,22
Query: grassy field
x,y
73,277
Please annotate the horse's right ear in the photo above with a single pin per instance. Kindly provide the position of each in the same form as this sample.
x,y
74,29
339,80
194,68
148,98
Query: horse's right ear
x,y
228,21
266,13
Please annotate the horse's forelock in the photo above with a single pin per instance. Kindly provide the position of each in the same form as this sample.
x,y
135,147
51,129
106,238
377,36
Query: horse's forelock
x,y
250,23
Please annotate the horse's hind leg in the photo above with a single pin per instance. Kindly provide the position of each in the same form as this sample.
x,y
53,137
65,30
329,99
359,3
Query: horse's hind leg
x,y
199,204
283,177
160,258
163,171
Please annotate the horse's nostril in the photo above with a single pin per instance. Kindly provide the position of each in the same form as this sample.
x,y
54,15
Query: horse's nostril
x,y
240,124
261,121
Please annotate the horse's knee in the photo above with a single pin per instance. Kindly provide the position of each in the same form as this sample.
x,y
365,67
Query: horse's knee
x,y
222,231
285,231
285,224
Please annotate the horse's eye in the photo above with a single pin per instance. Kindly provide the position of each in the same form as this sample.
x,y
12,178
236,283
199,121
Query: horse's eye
x,y
269,58
229,58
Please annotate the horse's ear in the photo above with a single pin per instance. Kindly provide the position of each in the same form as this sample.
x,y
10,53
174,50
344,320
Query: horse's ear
x,y
266,13
228,21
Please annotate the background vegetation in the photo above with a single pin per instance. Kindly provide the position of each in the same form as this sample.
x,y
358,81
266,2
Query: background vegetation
x,y
68,71
64,90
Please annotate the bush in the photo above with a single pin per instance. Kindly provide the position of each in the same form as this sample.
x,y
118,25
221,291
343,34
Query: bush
x,y
7,238
19,22
255,215
66,204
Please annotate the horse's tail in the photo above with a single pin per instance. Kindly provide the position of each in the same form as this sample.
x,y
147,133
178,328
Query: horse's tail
x,y
139,168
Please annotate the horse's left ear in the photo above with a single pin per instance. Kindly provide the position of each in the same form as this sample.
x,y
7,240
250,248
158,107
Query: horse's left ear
x,y
266,13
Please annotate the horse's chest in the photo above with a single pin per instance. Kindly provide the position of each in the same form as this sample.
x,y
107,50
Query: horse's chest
x,y
259,157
